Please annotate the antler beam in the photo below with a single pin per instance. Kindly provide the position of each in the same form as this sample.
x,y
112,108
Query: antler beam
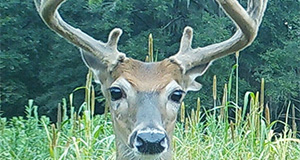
x,y
48,11
247,23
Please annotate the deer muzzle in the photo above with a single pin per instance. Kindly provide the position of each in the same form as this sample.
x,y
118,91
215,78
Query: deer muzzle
x,y
149,141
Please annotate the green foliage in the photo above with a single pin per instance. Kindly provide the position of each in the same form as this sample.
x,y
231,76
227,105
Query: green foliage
x,y
29,63
36,63
19,136
16,46
281,70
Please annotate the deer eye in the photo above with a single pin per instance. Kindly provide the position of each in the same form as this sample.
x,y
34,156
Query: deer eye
x,y
116,93
176,96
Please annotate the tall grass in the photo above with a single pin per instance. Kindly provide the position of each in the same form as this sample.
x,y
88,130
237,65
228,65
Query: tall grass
x,y
203,134
83,135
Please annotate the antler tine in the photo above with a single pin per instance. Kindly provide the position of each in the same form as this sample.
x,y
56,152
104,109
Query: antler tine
x,y
247,23
48,11
114,37
186,40
255,8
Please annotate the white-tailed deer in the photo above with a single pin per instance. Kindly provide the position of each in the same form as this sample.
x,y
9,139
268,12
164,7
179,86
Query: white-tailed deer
x,y
144,97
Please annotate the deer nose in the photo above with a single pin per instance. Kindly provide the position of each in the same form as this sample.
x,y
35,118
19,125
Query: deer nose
x,y
151,142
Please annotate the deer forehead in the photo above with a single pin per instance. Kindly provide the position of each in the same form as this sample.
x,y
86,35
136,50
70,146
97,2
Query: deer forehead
x,y
148,77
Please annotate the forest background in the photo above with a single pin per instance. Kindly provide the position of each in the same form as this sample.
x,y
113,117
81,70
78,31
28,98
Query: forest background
x,y
37,64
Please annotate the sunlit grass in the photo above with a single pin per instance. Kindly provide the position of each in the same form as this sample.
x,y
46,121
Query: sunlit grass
x,y
92,138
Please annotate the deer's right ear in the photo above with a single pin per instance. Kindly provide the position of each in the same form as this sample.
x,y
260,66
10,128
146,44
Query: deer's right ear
x,y
92,61
95,64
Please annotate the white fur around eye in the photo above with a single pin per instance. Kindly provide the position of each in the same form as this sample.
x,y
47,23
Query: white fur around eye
x,y
171,87
123,84
173,106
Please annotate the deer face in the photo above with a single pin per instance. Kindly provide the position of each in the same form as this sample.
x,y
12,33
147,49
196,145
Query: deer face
x,y
144,111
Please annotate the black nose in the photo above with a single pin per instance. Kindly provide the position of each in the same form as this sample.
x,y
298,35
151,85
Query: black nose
x,y
151,142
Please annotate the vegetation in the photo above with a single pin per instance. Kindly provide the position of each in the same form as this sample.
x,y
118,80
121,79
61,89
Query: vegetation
x,y
83,135
38,65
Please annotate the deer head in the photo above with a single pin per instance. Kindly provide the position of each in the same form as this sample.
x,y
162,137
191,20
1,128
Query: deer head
x,y
144,97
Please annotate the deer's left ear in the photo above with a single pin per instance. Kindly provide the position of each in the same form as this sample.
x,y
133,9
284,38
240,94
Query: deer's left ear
x,y
190,77
183,59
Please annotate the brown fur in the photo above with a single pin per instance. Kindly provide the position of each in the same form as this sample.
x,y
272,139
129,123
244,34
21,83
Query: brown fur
x,y
144,76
